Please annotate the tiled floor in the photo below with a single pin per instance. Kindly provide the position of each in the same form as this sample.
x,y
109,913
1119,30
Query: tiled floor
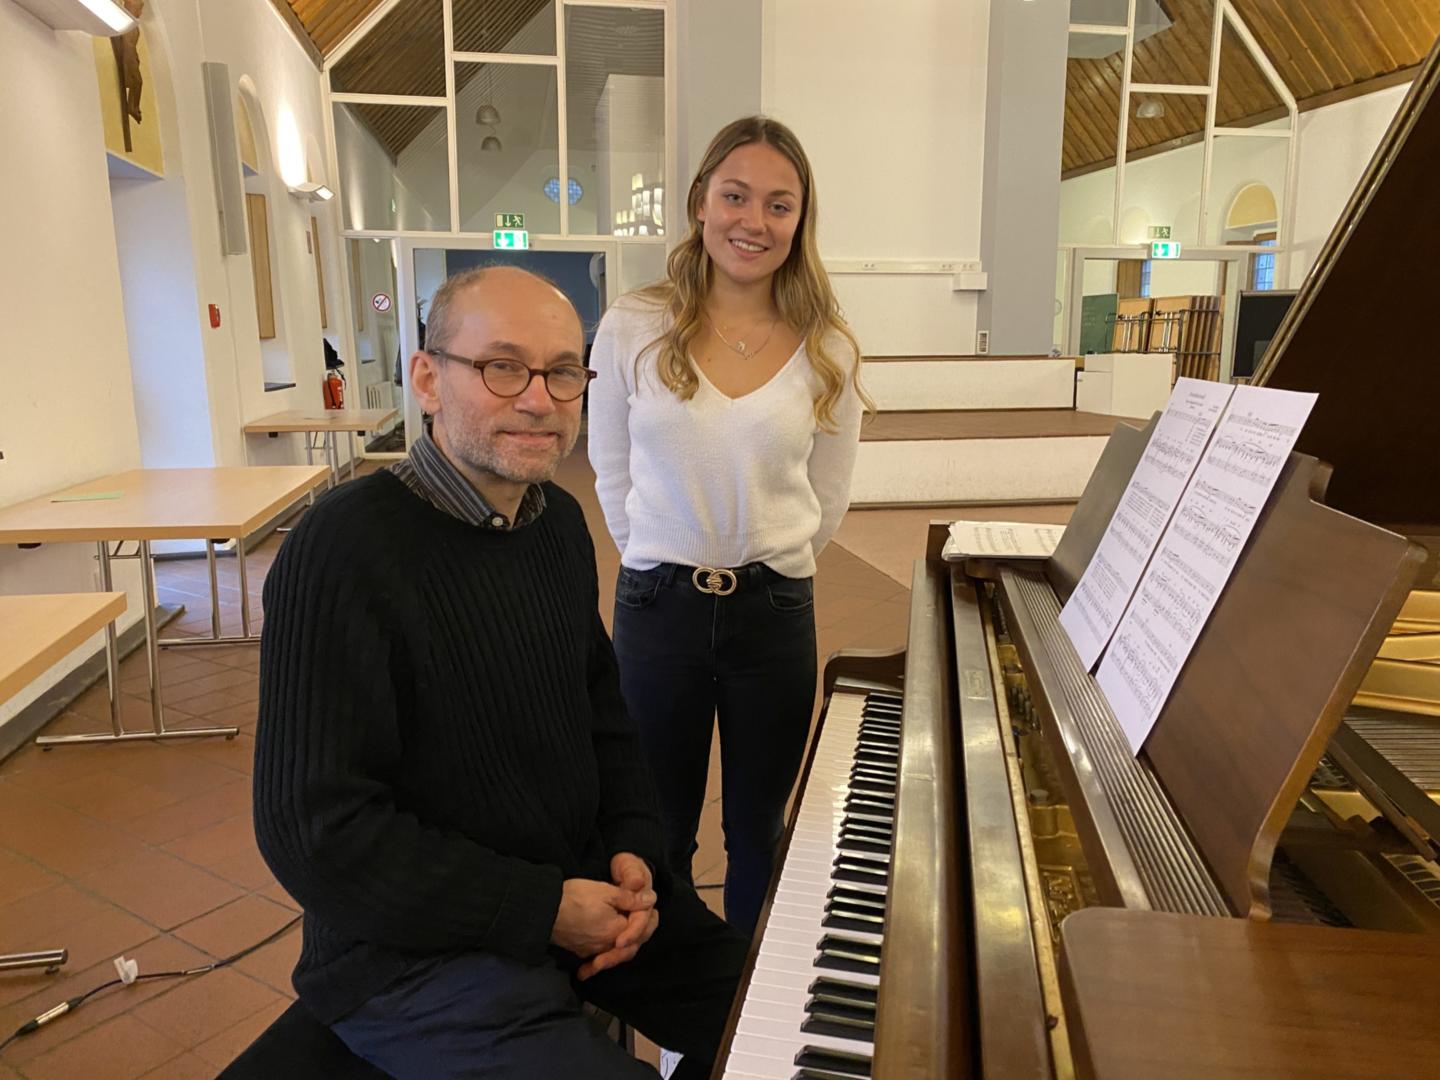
x,y
147,849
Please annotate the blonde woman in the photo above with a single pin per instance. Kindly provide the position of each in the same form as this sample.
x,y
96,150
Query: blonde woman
x,y
723,428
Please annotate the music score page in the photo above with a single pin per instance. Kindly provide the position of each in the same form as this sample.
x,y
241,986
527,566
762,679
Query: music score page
x,y
1180,437
1197,552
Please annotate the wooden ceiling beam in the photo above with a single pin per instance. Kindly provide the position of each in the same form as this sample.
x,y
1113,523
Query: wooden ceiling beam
x,y
298,32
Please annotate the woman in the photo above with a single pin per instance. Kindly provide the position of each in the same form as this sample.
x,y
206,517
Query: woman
x,y
723,429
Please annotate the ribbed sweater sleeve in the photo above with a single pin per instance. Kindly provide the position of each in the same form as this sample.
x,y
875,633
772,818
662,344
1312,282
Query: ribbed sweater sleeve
x,y
607,432
832,464
328,742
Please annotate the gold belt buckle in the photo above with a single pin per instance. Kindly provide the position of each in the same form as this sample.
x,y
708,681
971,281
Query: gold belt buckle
x,y
720,582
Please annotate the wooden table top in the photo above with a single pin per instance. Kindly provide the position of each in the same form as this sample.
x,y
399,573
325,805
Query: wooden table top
x,y
988,424
36,631
322,420
161,504
1150,994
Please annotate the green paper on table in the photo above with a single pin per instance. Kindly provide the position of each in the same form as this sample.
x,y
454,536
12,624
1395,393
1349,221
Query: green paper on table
x,y
89,496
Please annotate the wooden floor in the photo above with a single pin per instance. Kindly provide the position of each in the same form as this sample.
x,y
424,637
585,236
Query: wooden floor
x,y
987,424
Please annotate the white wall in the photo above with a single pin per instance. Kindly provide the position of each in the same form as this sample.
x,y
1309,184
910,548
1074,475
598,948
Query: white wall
x,y
1336,144
629,133
717,75
67,412
889,102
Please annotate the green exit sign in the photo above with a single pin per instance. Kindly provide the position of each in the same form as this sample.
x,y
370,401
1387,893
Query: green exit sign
x,y
1165,249
509,221
512,239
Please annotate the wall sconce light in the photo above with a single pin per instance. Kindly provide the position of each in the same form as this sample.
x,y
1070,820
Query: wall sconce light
x,y
490,142
103,18
312,192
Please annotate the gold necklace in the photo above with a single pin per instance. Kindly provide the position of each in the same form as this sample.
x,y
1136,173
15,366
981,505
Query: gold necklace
x,y
739,345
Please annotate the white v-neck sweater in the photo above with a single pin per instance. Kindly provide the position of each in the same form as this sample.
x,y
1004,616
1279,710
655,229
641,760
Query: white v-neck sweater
x,y
714,481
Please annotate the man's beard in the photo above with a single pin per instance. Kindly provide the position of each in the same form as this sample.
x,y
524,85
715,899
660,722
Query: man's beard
x,y
480,451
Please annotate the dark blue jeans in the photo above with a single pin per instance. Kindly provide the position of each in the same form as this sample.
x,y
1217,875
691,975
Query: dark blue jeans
x,y
474,1015
687,657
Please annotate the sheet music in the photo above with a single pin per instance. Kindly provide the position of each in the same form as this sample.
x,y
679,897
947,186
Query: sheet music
x,y
1197,553
1180,437
1001,540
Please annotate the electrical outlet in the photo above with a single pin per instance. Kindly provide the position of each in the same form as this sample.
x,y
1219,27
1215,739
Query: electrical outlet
x,y
948,267
869,264
982,342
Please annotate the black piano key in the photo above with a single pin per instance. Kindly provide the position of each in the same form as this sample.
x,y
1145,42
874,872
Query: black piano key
x,y
880,757
820,1074
855,898
838,1026
859,843
859,1010
859,875
874,772
845,960
864,784
868,827
845,943
844,990
828,1063
841,919
871,804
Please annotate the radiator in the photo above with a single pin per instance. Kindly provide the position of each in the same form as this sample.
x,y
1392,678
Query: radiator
x,y
377,396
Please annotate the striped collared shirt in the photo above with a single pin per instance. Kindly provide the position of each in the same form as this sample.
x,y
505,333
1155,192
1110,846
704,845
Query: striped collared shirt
x,y
429,473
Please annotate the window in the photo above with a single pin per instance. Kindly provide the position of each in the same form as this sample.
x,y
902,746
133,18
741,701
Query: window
x,y
1145,278
552,190
1262,267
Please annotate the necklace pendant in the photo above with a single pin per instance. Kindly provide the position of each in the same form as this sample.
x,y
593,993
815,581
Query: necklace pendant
x,y
740,347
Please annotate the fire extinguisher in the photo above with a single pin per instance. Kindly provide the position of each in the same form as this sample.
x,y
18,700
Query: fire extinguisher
x,y
334,390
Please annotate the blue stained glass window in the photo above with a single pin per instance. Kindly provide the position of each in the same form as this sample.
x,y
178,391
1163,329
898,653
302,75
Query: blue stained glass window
x,y
552,190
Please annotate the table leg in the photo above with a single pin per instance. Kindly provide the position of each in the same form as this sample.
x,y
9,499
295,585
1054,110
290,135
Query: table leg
x,y
112,651
309,460
351,436
152,654
214,588
152,635
244,587
332,458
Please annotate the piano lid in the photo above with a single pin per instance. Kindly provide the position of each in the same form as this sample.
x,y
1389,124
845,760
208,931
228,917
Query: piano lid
x,y
1364,332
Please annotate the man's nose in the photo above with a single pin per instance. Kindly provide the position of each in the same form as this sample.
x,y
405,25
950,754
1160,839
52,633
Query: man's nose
x,y
535,398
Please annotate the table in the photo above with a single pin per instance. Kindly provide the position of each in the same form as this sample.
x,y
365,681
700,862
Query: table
x,y
144,505
326,422
36,631
1151,994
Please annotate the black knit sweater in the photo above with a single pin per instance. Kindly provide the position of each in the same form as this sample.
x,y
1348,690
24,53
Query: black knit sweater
x,y
441,738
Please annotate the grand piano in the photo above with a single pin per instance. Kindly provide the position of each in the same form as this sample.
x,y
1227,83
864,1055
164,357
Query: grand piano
x,y
972,841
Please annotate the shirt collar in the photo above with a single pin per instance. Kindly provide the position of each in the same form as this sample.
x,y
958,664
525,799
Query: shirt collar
x,y
434,477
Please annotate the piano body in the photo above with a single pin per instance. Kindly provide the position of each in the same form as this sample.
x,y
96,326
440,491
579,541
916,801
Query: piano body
x,y
967,794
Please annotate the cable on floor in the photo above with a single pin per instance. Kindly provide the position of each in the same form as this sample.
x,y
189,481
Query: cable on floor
x,y
71,1004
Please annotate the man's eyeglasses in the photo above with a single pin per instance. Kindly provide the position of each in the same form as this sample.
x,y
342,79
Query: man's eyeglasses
x,y
504,377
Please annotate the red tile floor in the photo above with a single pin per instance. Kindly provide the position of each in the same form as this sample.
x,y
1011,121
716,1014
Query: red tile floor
x,y
147,849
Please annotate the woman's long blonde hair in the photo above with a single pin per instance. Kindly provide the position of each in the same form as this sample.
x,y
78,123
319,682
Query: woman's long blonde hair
x,y
801,286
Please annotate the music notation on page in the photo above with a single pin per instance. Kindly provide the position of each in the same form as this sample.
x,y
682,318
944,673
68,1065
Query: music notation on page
x,y
1198,551
1174,449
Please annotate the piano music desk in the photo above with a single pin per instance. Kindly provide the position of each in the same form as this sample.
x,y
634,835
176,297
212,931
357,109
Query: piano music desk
x,y
1149,994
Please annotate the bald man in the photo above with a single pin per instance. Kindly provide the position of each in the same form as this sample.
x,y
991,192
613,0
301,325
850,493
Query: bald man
x,y
445,775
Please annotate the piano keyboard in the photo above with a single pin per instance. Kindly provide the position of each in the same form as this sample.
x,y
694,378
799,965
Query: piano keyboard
x,y
809,1008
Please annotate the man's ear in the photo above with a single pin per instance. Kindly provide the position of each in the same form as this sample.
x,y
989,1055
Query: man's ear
x,y
425,380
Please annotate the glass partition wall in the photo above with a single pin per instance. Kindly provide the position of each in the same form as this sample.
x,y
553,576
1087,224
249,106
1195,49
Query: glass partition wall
x,y
453,119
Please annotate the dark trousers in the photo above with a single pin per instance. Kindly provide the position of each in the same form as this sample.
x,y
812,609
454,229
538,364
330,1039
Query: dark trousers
x,y
687,656
475,1014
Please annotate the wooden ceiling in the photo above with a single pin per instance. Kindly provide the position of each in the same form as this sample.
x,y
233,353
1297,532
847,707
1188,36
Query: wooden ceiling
x,y
1319,47
405,53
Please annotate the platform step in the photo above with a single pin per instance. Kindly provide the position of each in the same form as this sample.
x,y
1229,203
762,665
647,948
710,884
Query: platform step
x,y
960,457
955,382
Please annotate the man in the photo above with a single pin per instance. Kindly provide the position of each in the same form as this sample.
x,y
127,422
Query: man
x,y
445,775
